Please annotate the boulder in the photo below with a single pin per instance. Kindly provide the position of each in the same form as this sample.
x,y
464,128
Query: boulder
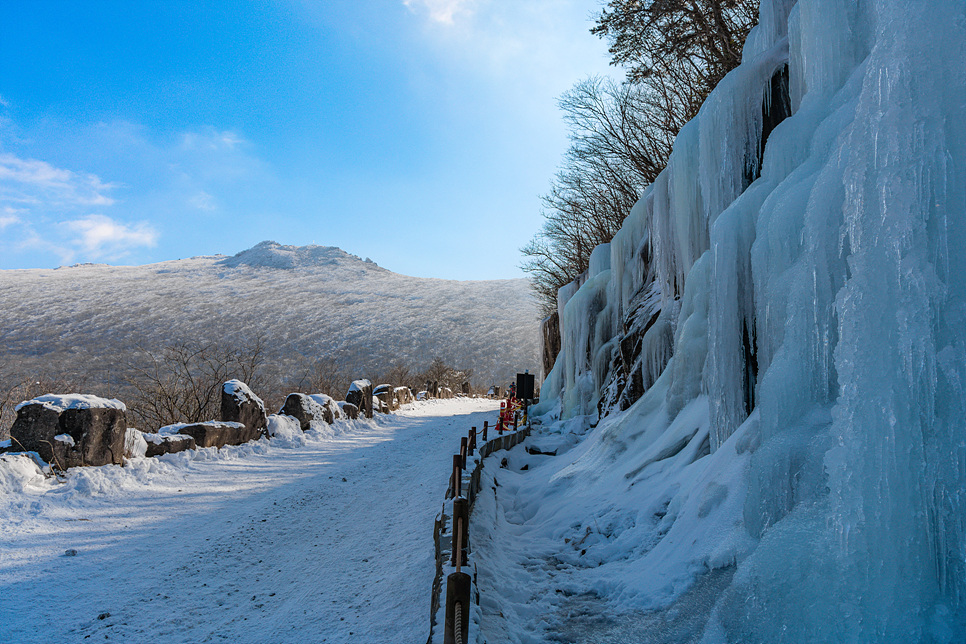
x,y
360,395
159,444
72,430
306,408
349,410
240,405
404,395
329,404
216,433
385,397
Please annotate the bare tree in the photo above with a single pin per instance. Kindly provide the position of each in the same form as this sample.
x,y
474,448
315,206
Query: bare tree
x,y
324,375
440,372
697,39
620,138
674,53
182,382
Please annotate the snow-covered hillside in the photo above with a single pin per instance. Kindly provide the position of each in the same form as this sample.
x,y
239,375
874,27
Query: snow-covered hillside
x,y
306,303
780,342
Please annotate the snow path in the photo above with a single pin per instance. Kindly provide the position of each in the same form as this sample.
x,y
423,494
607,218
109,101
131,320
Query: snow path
x,y
263,544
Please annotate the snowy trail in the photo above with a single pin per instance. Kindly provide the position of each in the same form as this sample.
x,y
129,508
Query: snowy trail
x,y
259,544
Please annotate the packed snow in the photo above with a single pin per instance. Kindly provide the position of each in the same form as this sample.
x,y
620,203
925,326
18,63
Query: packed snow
x,y
314,536
795,471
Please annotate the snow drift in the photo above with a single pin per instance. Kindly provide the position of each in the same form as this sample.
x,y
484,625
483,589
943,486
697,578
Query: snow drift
x,y
795,316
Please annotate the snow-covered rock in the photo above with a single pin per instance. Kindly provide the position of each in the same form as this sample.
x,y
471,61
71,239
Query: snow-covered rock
x,y
215,433
72,430
360,395
240,405
307,409
135,445
168,443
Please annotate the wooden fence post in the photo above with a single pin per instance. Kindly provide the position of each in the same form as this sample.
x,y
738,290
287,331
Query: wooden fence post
x,y
461,521
457,486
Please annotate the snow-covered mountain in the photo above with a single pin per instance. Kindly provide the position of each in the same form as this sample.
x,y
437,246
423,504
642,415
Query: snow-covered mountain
x,y
306,302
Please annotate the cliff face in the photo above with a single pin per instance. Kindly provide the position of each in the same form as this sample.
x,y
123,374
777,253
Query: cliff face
x,y
791,287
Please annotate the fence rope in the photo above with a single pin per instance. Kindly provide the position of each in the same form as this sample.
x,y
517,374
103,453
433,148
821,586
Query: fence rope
x,y
458,623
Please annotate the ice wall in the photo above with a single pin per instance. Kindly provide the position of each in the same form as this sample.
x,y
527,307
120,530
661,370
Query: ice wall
x,y
817,286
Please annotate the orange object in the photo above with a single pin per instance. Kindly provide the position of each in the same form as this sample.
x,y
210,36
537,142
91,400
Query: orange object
x,y
508,410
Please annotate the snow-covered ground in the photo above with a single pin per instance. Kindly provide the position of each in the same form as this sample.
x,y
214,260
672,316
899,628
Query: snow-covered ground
x,y
323,537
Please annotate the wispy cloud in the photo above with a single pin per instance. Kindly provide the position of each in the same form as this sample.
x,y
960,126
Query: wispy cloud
x,y
211,140
29,181
441,11
99,236
8,218
203,201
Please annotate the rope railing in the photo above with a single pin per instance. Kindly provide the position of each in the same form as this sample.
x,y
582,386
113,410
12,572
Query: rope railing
x,y
458,583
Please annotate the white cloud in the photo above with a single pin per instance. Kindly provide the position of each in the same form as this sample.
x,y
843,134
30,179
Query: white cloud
x,y
4,102
8,220
442,11
29,181
211,140
100,236
203,201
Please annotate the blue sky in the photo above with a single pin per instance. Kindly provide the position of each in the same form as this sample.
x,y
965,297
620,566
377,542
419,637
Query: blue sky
x,y
419,133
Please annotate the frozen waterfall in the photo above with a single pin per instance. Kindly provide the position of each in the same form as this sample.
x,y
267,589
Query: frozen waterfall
x,y
800,307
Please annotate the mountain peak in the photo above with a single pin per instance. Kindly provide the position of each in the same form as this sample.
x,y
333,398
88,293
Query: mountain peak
x,y
270,254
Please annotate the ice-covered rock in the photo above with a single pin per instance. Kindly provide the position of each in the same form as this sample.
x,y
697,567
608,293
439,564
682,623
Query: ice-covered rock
x,y
386,395
792,287
404,395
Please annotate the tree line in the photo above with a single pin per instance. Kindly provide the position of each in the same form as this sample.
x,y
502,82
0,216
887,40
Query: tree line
x,y
673,52
182,381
